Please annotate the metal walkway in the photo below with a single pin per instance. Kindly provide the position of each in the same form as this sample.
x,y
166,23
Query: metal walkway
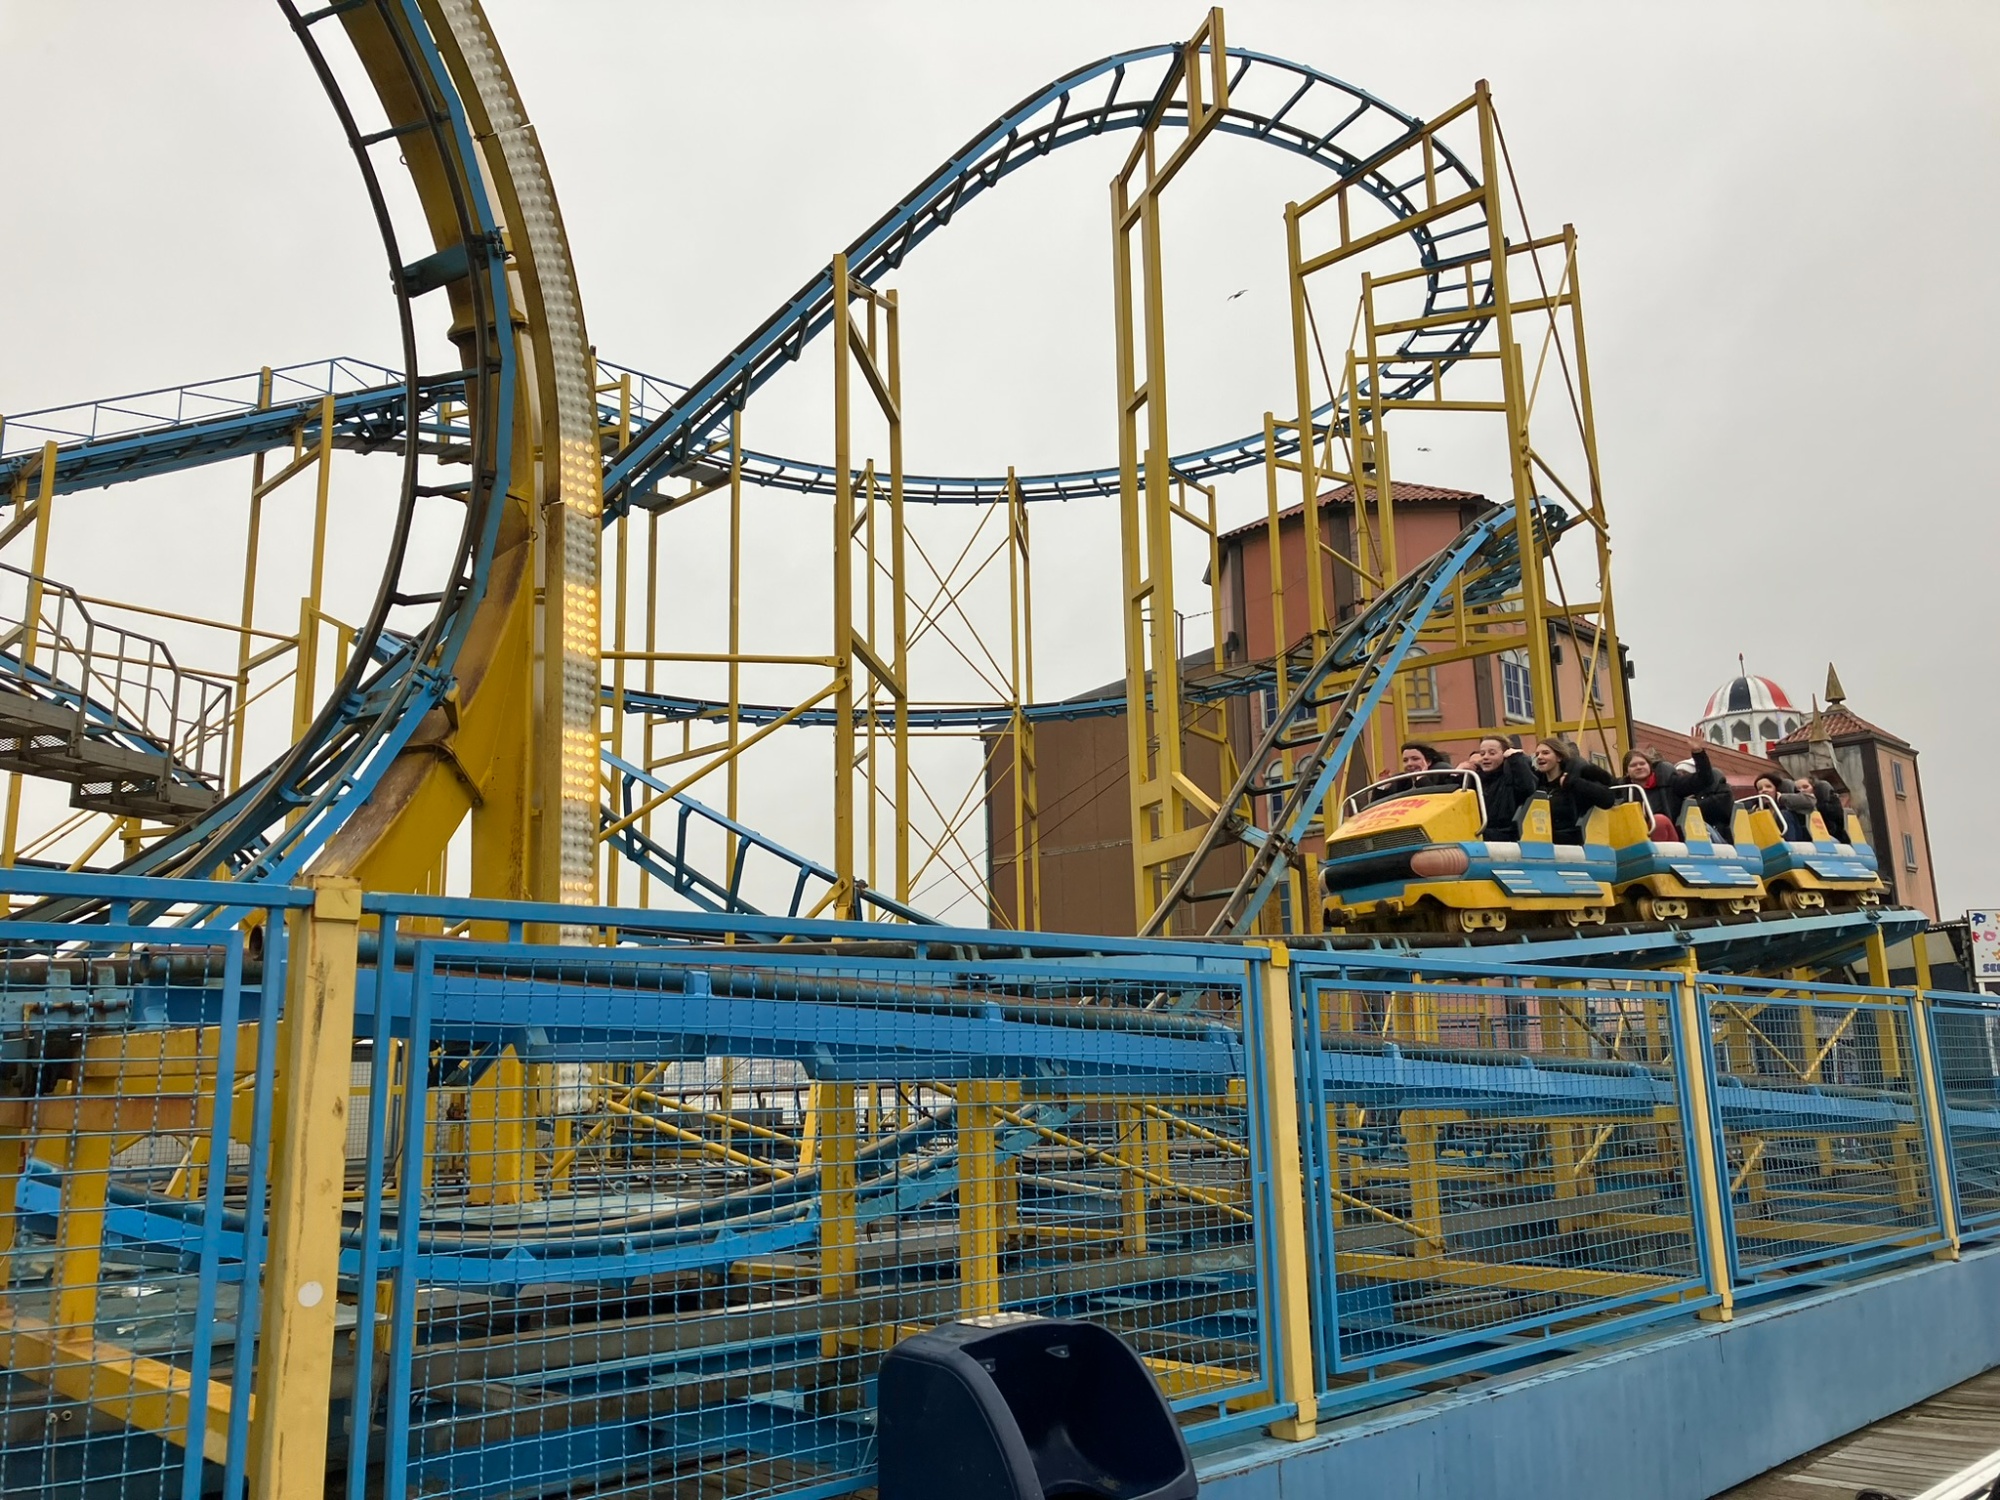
x,y
1904,1455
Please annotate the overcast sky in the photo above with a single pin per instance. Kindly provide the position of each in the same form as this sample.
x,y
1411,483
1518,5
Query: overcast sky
x,y
1786,213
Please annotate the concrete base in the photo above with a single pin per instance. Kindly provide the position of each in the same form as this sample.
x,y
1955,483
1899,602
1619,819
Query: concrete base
x,y
1680,1417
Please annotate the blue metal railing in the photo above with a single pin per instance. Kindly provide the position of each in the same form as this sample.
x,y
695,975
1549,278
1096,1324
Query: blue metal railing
x,y
655,1201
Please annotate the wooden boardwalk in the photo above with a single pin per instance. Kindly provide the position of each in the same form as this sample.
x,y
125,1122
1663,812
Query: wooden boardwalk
x,y
1902,1455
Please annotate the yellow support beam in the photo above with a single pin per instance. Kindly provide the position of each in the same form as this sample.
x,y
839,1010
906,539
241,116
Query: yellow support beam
x,y
979,1169
1293,1380
288,1430
148,1394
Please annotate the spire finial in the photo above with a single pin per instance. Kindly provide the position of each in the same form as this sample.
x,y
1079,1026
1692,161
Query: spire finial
x,y
1741,670
1836,695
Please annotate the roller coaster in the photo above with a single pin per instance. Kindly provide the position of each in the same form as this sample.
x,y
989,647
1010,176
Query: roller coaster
x,y
360,1132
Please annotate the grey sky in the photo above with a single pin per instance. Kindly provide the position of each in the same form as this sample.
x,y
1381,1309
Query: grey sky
x,y
1784,210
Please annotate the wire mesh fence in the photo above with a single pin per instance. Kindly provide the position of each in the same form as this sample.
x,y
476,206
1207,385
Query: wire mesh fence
x,y
645,1216
1965,1032
1488,1158
648,1220
135,1093
1819,1126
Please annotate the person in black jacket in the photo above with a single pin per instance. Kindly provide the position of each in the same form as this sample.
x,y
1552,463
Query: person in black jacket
x,y
1793,807
1506,781
1573,785
1671,789
1411,778
1827,802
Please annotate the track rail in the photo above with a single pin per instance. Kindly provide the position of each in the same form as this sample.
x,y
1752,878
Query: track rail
x,y
281,818
1326,714
1273,102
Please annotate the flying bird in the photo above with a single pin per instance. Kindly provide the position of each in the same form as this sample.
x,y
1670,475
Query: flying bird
x,y
1235,294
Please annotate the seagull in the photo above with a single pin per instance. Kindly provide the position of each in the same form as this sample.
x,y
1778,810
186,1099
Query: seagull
x,y
1235,294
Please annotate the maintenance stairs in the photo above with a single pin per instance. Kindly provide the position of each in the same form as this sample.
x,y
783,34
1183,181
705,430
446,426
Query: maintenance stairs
x,y
105,709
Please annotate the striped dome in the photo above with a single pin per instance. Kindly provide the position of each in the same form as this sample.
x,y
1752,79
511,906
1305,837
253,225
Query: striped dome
x,y
1743,695
1748,713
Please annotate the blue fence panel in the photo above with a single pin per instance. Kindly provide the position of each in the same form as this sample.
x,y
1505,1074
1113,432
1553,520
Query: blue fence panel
x,y
1497,1168
1818,1127
136,1073
1965,1035
649,1216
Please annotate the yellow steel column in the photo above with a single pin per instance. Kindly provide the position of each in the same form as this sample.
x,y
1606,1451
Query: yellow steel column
x,y
247,618
732,772
305,681
86,1183
13,1156
1888,1040
978,1199
844,903
1133,1195
499,1134
1534,600
1607,620
620,608
1162,797
899,620
1420,1140
30,628
1932,1102
1708,1178
1295,1386
1027,796
833,1115
315,1045
1890,1052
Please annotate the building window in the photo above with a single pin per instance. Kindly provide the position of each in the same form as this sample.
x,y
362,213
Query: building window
x,y
1740,731
1267,708
1517,696
1715,733
1896,775
1768,730
1420,698
1909,852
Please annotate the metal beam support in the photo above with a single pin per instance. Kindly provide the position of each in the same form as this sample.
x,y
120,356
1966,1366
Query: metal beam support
x,y
1162,812
316,1042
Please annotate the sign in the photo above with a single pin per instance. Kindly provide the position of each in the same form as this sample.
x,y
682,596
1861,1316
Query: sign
x,y
1984,927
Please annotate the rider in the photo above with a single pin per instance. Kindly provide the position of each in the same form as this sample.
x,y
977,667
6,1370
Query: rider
x,y
1574,785
1507,781
1667,789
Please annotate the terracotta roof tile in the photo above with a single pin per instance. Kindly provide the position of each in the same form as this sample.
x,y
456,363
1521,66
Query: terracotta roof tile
x,y
1841,722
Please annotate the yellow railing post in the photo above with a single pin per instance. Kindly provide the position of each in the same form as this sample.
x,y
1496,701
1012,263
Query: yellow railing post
x,y
315,1050
1708,1181
1295,1388
1930,1100
833,1112
978,1199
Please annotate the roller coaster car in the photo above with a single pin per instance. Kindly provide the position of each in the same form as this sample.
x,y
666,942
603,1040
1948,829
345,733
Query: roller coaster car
x,y
1407,853
1810,875
1659,881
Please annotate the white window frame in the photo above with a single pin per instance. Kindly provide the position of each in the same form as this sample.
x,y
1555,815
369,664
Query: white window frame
x,y
1909,852
1429,675
1896,776
1525,713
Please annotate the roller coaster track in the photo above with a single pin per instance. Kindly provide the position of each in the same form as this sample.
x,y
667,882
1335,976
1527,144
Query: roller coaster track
x,y
376,709
160,431
1326,714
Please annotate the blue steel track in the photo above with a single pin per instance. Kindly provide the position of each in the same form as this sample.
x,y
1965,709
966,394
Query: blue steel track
x,y
1309,114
